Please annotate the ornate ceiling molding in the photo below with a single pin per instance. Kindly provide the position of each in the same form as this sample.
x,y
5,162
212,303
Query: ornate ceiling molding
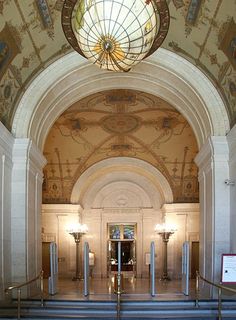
x,y
164,74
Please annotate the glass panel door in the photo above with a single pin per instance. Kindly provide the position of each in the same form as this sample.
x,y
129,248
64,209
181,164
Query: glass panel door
x,y
125,233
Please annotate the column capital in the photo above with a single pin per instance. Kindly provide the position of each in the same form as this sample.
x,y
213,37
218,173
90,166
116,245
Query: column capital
x,y
25,149
215,148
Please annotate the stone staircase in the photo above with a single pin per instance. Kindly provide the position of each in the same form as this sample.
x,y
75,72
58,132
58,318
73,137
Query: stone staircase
x,y
130,310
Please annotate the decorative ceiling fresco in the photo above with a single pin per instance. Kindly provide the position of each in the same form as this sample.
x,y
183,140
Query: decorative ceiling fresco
x,y
31,37
120,123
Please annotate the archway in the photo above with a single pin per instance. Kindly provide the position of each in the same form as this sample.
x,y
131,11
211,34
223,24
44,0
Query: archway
x,y
122,191
164,74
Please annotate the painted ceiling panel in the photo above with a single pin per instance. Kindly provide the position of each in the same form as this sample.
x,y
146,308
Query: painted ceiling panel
x,y
31,37
120,123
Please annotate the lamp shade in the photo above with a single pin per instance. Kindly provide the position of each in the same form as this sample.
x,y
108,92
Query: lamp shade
x,y
115,34
165,227
77,228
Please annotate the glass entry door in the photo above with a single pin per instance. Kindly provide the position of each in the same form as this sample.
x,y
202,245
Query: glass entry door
x,y
127,255
126,235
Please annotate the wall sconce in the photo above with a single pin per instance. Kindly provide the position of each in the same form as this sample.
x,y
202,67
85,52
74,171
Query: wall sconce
x,y
165,231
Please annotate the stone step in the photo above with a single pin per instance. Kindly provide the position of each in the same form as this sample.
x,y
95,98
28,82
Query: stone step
x,y
141,310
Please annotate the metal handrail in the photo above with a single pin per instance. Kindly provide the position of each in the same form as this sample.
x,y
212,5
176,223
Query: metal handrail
x,y
118,291
19,286
220,288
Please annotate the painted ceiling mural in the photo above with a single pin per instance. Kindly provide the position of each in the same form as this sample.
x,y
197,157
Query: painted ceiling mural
x,y
120,123
31,37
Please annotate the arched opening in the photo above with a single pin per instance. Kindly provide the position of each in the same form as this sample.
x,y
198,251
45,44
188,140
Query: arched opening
x,y
164,75
126,158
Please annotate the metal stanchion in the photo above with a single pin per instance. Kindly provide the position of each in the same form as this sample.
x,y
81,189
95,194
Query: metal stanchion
x,y
185,268
118,282
41,288
18,302
86,269
197,290
152,269
52,280
219,303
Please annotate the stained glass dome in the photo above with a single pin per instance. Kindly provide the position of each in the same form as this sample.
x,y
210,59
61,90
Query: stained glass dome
x,y
115,34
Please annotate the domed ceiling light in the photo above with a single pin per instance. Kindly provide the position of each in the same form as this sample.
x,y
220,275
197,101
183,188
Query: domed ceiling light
x,y
115,34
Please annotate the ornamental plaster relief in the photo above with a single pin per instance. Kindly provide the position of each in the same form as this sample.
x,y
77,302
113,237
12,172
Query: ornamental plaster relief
x,y
206,40
71,79
146,178
121,194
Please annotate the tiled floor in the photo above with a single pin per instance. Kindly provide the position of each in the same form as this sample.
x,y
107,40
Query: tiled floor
x,y
137,289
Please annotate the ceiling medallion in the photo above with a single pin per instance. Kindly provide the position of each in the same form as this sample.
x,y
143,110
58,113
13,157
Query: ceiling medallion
x,y
120,123
115,34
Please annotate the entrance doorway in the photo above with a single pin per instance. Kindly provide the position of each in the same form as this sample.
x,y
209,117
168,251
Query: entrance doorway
x,y
194,258
126,235
128,258
46,259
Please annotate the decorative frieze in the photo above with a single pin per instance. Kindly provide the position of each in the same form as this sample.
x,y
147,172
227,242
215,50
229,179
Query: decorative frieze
x,y
122,210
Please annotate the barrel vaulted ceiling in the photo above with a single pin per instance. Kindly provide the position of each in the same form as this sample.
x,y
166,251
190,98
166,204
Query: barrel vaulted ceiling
x,y
31,37
120,123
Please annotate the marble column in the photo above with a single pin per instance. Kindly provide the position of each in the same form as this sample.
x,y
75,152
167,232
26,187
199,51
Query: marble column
x,y
27,178
212,162
6,145
232,187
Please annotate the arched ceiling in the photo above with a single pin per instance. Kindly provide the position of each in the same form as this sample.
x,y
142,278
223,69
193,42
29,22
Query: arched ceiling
x,y
120,123
31,37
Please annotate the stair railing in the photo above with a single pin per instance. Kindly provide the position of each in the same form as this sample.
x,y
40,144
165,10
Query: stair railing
x,y
220,288
18,288
118,291
118,283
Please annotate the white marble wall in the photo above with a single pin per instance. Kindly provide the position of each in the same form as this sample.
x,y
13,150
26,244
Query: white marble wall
x,y
28,162
185,218
232,188
6,144
56,218
212,161
143,218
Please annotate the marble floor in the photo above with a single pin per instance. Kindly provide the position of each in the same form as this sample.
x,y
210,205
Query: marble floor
x,y
136,289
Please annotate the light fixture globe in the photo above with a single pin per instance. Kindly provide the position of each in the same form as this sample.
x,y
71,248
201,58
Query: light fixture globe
x,y
115,34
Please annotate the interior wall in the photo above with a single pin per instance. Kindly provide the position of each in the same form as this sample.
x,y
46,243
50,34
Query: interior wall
x,y
143,218
232,186
6,145
56,218
114,197
26,183
56,221
213,164
185,216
